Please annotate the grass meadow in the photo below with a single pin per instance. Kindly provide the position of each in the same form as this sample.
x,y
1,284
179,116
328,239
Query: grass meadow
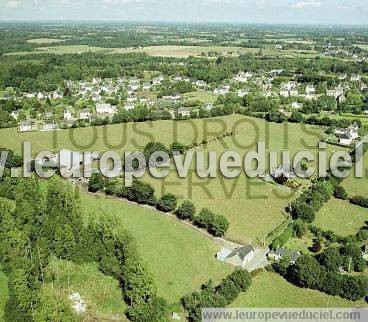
x,y
271,290
341,217
180,258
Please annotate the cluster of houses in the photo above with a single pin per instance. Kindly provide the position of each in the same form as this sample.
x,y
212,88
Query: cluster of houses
x,y
347,136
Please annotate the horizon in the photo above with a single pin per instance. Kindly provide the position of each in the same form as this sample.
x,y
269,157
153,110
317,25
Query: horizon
x,y
294,12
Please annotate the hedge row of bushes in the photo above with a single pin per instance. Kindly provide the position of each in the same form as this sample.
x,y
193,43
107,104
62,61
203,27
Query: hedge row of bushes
x,y
143,193
219,296
307,272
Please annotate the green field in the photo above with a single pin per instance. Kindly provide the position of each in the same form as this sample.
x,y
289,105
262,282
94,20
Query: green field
x,y
101,293
341,217
120,137
271,290
42,41
168,50
180,258
202,96
357,186
3,294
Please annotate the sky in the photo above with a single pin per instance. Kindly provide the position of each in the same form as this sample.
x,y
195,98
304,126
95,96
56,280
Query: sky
x,y
229,11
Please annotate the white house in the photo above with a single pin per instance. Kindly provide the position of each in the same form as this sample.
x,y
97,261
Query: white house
x,y
281,253
242,92
200,83
15,114
296,105
355,78
184,111
348,135
208,106
241,77
57,95
105,109
27,126
221,90
129,106
40,96
310,89
49,126
84,114
239,257
147,86
68,115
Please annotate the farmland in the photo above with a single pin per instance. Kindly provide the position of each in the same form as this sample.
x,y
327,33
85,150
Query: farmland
x,y
165,245
341,217
271,290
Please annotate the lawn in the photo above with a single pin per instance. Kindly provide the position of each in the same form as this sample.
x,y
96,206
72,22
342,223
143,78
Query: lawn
x,y
101,293
180,258
3,294
341,217
270,290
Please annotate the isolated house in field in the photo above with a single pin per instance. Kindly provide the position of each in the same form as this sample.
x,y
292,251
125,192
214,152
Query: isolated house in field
x,y
27,126
284,170
239,257
281,253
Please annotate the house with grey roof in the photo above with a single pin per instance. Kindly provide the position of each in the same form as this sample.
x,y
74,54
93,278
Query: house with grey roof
x,y
240,257
281,253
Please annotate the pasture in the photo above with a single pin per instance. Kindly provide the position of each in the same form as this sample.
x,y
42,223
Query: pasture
x,y
341,217
201,96
357,186
271,290
180,258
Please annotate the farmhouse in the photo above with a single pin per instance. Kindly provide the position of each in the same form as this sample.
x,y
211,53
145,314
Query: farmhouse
x,y
281,253
239,257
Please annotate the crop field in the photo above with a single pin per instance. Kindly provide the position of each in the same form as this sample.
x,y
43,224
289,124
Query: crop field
x,y
180,258
42,41
341,217
271,290
168,50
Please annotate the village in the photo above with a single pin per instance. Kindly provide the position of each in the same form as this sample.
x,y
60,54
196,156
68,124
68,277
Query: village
x,y
102,99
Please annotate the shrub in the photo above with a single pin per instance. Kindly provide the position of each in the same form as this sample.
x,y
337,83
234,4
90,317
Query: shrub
x,y
140,192
205,219
360,201
219,226
186,211
96,182
303,211
153,310
167,203
340,193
